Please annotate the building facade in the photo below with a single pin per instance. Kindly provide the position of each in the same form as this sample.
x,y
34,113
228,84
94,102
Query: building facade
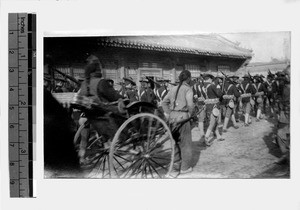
x,y
154,56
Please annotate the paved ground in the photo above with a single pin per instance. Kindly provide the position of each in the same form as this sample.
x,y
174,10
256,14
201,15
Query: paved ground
x,y
247,152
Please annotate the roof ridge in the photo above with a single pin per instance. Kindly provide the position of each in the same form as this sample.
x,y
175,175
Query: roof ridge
x,y
233,44
177,43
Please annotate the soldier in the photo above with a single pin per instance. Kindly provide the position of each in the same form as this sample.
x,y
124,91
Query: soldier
x,y
146,93
283,125
230,99
122,90
236,82
199,102
219,84
130,89
178,105
162,91
260,92
271,93
212,100
247,90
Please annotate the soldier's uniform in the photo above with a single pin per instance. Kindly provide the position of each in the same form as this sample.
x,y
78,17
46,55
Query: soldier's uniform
x,y
230,99
130,91
236,110
259,95
271,87
247,91
212,101
283,125
122,90
161,94
177,110
199,102
146,94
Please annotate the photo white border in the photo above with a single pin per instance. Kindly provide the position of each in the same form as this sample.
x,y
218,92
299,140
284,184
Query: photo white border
x,y
152,17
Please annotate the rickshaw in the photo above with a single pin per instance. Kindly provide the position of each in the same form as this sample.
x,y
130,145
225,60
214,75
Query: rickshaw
x,y
137,144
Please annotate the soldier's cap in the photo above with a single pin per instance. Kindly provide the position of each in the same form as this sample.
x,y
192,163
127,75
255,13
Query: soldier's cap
x,y
144,80
160,80
206,76
262,76
93,59
129,79
280,74
246,76
271,76
234,76
256,76
219,77
47,77
110,80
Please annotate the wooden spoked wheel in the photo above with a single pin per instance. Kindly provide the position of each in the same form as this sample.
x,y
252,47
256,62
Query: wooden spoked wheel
x,y
97,152
143,147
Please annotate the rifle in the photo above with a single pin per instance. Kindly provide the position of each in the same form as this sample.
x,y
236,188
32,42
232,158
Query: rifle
x,y
225,77
152,81
251,77
68,76
270,73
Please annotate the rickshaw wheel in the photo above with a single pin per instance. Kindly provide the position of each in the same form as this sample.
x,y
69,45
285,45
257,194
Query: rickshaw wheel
x,y
96,157
143,147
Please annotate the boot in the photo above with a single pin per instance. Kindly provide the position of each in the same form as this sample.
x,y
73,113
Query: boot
x,y
258,115
246,119
201,128
226,120
234,122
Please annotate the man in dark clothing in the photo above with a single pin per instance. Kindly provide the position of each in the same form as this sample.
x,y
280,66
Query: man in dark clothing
x,y
260,92
283,125
97,92
212,100
247,91
161,92
130,91
146,93
199,102
236,109
271,87
230,99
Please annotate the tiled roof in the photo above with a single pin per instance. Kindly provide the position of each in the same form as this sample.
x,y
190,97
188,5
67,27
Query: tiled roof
x,y
207,45
262,68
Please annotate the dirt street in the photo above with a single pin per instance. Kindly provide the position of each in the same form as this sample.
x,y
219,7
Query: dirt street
x,y
247,152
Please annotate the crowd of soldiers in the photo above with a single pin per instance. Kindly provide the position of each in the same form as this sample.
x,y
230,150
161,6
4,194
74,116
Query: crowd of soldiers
x,y
219,99
211,100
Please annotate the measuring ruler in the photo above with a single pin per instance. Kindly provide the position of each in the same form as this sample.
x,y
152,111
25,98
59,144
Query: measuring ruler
x,y
22,94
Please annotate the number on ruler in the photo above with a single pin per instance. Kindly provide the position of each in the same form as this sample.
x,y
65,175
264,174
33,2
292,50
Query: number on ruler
x,y
11,108
11,126
23,151
12,145
11,89
11,52
23,103
11,70
11,164
12,182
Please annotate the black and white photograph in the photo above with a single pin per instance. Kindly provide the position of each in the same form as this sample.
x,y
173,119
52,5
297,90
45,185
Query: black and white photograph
x,y
168,106
149,105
